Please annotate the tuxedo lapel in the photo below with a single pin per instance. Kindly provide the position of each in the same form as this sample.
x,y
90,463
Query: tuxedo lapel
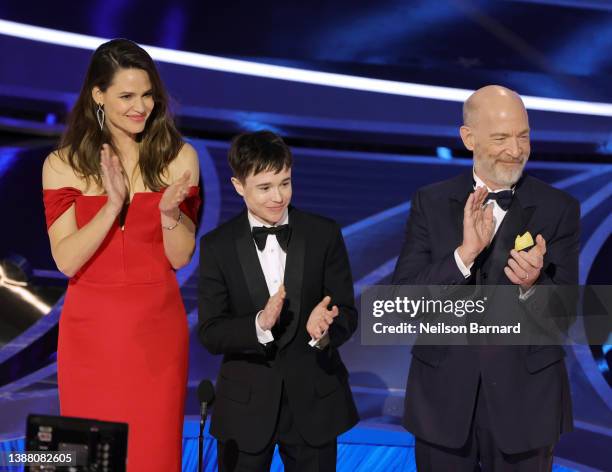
x,y
458,198
251,268
294,274
515,222
495,257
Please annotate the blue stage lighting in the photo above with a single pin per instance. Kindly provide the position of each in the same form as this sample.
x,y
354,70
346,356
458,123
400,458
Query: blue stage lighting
x,y
606,147
444,153
256,69
8,156
254,125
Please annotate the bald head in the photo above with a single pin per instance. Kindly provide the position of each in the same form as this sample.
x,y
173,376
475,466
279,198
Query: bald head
x,y
496,130
491,99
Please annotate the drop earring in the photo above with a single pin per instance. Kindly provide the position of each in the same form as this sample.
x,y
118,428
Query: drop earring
x,y
100,116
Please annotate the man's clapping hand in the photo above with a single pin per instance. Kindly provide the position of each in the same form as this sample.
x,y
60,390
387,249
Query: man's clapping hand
x,y
321,318
524,267
478,226
271,313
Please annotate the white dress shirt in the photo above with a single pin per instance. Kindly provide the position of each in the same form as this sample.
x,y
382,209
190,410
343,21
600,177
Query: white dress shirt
x,y
498,216
272,260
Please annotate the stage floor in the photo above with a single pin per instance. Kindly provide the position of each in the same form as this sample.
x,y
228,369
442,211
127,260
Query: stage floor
x,y
369,447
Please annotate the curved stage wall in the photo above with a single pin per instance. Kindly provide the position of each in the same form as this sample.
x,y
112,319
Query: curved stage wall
x,y
369,195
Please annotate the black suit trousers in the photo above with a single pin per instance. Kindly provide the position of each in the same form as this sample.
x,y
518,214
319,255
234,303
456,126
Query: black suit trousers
x,y
296,454
481,452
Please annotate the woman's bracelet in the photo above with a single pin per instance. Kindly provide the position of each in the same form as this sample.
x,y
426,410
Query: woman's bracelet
x,y
178,220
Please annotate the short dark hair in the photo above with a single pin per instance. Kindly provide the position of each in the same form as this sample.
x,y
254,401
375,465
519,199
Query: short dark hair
x,y
252,153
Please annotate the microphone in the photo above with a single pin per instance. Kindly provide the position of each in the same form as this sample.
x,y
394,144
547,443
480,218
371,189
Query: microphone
x,y
206,396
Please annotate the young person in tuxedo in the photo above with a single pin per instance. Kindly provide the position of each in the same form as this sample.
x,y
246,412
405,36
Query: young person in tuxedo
x,y
276,300
496,407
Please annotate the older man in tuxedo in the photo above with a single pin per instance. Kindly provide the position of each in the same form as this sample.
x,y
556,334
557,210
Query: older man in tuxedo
x,y
496,407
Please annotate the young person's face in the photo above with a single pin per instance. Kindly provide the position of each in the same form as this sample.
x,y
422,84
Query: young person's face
x,y
128,101
266,194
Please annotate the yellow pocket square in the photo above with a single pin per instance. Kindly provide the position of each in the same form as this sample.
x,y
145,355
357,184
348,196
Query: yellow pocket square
x,y
523,242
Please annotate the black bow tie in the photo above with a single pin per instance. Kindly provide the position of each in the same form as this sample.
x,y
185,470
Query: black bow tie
x,y
503,198
282,233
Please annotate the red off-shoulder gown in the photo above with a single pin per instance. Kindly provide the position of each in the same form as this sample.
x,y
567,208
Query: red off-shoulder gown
x,y
123,335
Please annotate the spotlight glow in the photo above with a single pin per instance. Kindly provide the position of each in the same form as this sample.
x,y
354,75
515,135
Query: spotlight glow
x,y
20,289
205,61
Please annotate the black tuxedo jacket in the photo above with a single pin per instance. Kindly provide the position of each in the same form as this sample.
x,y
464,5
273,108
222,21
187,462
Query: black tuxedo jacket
x,y
232,290
526,387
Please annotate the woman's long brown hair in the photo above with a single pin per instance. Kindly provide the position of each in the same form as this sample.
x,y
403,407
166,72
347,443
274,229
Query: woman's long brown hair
x,y
159,142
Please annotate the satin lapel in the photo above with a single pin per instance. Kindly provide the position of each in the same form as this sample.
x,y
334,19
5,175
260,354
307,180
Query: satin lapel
x,y
457,209
251,268
515,222
294,275
458,199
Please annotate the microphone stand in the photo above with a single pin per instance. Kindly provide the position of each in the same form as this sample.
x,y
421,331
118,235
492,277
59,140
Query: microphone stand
x,y
203,408
206,397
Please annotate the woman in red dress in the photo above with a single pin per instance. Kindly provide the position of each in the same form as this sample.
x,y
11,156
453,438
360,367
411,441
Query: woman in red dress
x,y
121,201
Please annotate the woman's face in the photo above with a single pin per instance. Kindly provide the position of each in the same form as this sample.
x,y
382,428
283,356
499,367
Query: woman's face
x,y
128,101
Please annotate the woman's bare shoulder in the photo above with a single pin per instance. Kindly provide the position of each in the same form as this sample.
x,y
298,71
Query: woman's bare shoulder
x,y
57,172
187,159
